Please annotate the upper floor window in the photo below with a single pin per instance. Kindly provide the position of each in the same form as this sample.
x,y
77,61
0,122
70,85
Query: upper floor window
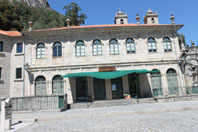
x,y
19,48
167,44
57,49
97,47
130,46
0,72
1,46
80,48
113,45
40,50
152,45
18,73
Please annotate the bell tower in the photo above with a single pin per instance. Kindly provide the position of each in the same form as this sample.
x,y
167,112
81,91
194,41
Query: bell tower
x,y
121,18
151,18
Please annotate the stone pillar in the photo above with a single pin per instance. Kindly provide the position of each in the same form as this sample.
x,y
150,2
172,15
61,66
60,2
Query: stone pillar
x,y
90,86
72,82
49,89
108,89
125,83
164,85
68,91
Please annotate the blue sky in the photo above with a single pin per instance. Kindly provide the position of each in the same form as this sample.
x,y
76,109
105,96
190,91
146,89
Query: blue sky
x,y
103,12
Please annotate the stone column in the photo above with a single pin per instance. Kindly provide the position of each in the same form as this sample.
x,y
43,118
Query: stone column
x,y
68,91
108,89
164,85
49,89
72,82
125,83
90,86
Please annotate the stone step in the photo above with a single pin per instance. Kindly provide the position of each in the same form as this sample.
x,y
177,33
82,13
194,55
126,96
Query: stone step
x,y
106,103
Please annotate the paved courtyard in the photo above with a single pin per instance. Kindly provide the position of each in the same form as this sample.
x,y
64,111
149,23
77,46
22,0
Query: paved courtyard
x,y
159,117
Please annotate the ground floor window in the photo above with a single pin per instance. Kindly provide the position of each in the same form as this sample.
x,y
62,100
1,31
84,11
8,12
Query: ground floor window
x,y
172,82
156,84
57,85
40,85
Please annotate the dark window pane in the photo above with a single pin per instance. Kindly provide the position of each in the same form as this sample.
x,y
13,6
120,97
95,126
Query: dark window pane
x,y
18,73
0,72
1,46
19,48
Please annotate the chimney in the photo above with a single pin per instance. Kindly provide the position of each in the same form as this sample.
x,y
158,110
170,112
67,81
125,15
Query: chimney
x,y
30,26
68,21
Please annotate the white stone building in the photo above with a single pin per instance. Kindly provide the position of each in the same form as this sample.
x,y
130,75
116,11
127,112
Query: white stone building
x,y
108,61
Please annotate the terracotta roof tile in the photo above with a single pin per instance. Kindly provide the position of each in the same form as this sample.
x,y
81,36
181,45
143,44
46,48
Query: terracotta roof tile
x,y
10,33
95,26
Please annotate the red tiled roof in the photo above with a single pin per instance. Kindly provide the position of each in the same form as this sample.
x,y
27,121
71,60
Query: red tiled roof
x,y
95,26
10,33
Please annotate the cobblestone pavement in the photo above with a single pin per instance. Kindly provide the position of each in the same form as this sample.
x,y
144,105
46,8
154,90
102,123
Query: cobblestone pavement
x,y
185,120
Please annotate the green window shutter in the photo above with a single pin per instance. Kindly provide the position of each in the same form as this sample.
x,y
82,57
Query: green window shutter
x,y
58,87
156,85
172,84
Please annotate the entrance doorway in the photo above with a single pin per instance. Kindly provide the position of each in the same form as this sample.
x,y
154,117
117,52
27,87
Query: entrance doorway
x,y
99,89
117,88
133,85
81,89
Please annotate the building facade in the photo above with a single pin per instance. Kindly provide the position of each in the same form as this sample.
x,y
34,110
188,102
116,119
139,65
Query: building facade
x,y
100,61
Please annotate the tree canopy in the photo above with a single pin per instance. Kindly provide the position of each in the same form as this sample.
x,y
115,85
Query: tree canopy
x,y
73,13
15,16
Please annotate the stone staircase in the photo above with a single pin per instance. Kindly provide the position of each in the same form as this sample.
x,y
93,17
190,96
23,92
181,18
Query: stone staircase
x,y
106,103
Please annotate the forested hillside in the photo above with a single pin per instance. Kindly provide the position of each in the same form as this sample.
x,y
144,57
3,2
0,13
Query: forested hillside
x,y
15,16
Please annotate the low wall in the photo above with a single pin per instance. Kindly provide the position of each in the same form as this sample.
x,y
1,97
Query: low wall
x,y
39,103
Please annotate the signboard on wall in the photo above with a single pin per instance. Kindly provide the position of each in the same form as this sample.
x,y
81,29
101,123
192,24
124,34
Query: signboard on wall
x,y
107,69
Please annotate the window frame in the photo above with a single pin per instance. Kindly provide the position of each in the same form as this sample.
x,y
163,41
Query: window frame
x,y
16,73
80,48
166,44
58,51
152,44
112,47
1,46
96,46
19,52
42,51
131,46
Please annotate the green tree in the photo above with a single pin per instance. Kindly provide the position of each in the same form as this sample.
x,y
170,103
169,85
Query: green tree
x,y
72,12
9,19
182,39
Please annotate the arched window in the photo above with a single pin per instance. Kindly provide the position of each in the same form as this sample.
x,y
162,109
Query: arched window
x,y
153,20
121,21
130,46
40,50
57,49
152,45
80,48
40,85
172,81
57,85
97,47
113,45
167,44
156,83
